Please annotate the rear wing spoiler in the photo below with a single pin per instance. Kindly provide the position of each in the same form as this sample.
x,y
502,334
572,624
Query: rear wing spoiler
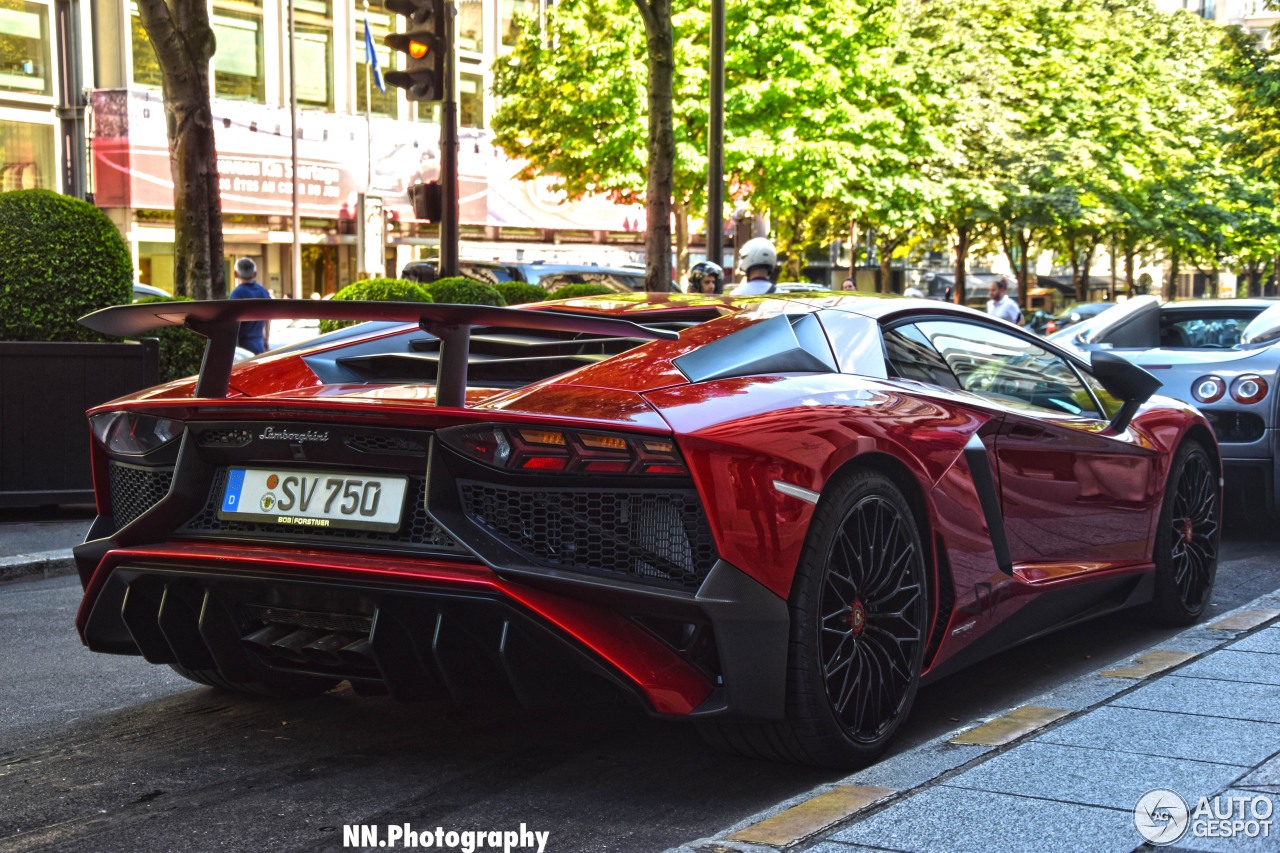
x,y
219,322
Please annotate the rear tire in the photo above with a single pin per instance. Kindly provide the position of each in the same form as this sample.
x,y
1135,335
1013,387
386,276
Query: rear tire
x,y
1186,544
282,687
859,619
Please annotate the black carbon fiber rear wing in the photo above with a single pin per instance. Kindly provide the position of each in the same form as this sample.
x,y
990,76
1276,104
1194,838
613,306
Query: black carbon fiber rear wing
x,y
219,321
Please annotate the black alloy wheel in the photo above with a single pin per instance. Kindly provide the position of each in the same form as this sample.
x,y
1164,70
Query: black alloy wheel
x,y
1186,547
871,625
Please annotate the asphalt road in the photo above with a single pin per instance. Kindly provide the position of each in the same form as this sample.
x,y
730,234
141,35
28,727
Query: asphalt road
x,y
112,754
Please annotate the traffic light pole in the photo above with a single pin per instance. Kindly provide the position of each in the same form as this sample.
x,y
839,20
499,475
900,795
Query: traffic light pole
x,y
449,150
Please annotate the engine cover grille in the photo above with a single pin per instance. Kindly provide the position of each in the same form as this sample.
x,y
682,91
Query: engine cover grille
x,y
417,531
135,489
645,535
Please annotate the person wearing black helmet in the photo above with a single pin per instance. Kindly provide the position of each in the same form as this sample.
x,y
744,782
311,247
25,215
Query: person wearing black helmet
x,y
253,333
705,277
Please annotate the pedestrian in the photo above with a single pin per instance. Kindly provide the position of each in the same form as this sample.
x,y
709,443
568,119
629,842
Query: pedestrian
x,y
1000,305
848,284
705,277
253,333
758,259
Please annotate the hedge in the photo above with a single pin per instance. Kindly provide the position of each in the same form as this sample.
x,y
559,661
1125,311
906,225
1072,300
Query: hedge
x,y
459,290
377,290
521,292
62,259
577,291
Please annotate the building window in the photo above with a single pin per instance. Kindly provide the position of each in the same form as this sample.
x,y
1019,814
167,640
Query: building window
x,y
27,159
367,94
313,47
238,64
24,48
508,26
146,68
470,35
470,100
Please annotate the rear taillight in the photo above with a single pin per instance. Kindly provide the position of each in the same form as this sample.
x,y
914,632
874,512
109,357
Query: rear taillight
x,y
133,434
544,450
1249,388
1208,389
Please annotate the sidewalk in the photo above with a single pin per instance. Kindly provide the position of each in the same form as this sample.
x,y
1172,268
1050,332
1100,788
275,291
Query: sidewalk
x,y
1197,716
35,544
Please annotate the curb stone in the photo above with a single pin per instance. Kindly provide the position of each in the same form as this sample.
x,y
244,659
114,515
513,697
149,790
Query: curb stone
x,y
931,763
43,564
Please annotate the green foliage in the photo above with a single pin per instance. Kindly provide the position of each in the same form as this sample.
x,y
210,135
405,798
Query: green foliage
x,y
62,259
459,290
577,291
376,290
520,292
181,350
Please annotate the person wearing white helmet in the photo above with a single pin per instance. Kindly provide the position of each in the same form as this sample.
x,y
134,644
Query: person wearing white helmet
x,y
757,259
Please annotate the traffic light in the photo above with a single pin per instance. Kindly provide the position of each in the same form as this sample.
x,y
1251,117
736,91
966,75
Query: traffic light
x,y
428,201
424,47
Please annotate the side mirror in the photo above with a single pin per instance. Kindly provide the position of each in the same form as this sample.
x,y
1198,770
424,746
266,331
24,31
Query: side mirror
x,y
1125,381
1264,328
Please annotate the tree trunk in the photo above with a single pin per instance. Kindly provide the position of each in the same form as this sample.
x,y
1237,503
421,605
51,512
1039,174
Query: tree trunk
x,y
962,256
1171,286
1024,243
662,144
184,43
886,248
681,216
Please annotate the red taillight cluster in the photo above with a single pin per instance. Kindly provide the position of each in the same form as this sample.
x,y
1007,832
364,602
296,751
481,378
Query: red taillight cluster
x,y
1246,389
557,450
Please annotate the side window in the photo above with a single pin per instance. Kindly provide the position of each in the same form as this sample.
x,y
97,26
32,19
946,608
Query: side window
x,y
911,356
1004,367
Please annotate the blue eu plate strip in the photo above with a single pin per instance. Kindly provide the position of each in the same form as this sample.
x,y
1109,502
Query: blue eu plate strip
x,y
235,483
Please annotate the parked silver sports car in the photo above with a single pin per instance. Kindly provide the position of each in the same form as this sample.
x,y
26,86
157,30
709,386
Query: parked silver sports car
x,y
1221,355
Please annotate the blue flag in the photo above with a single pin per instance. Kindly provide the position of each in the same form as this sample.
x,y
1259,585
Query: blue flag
x,y
371,58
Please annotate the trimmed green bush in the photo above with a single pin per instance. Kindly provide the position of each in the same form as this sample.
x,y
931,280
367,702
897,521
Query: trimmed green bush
x,y
62,259
459,290
377,290
577,291
181,350
521,292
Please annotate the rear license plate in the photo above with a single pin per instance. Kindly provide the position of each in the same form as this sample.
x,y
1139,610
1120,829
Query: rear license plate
x,y
313,498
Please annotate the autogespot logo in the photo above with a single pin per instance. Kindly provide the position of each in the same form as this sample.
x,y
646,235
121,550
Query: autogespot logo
x,y
1161,816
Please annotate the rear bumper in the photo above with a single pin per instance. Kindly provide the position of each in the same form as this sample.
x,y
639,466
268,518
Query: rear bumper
x,y
433,629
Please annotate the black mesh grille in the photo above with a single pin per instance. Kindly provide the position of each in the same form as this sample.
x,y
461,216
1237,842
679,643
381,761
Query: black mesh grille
x,y
658,536
1236,427
386,444
416,530
135,490
225,437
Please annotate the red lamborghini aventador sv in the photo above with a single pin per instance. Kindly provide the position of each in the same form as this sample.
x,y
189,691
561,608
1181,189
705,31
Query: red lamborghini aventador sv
x,y
773,516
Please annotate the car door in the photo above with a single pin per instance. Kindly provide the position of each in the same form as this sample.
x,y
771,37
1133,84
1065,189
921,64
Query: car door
x,y
1075,496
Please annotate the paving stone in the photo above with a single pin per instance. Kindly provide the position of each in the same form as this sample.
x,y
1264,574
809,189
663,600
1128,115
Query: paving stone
x,y
1171,735
954,820
913,768
1265,776
1238,700
1095,777
1264,641
1232,665
1083,693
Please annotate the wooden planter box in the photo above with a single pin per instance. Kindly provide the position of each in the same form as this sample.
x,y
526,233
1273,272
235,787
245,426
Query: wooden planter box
x,y
45,389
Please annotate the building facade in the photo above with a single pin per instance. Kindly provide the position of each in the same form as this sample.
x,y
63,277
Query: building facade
x,y
84,115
